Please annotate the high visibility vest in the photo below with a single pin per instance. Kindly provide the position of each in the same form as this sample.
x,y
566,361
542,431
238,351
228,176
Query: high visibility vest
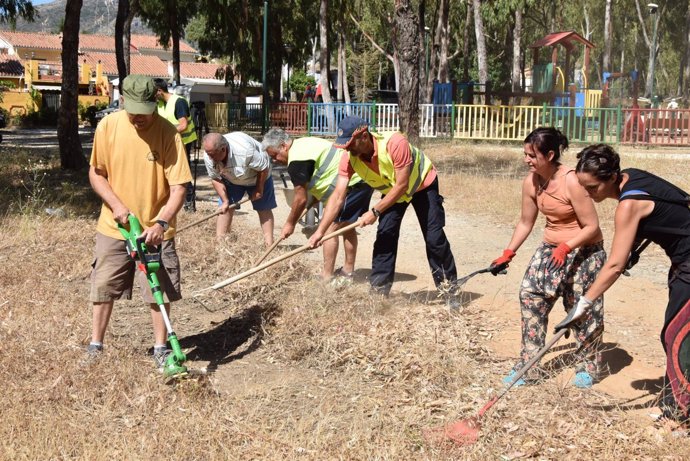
x,y
326,158
167,110
385,180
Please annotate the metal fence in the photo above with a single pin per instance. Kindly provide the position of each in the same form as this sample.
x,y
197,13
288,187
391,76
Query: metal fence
x,y
662,127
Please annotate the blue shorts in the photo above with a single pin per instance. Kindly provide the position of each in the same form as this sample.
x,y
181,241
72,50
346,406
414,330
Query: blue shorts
x,y
356,203
266,202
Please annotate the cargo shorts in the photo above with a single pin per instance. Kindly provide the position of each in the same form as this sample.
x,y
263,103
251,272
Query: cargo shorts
x,y
113,272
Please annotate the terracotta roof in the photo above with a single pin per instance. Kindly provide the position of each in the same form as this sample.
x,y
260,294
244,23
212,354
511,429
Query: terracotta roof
x,y
140,64
150,42
198,70
32,40
86,41
10,66
564,38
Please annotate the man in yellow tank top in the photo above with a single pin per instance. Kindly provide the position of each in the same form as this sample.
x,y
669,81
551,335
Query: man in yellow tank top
x,y
404,175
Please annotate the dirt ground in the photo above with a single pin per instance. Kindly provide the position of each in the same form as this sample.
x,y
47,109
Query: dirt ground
x,y
633,307
295,369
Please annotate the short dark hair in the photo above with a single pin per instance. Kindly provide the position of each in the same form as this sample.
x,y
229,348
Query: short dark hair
x,y
161,84
599,160
546,139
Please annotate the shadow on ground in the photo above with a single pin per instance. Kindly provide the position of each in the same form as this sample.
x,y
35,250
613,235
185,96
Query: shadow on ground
x,y
231,339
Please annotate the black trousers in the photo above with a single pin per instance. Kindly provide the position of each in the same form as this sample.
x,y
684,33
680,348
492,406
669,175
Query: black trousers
x,y
428,205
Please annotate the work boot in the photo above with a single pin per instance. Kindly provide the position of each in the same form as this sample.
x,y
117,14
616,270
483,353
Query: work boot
x,y
160,357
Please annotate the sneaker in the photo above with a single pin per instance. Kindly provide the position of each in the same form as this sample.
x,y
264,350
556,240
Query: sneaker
x,y
93,352
159,358
342,278
583,380
511,376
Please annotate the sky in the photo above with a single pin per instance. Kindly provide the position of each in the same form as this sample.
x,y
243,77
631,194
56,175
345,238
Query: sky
x,y
41,2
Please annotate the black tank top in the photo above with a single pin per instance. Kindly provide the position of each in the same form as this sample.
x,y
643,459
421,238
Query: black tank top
x,y
670,211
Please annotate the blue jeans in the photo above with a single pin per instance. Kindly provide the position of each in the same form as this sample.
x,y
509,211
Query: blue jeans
x,y
428,206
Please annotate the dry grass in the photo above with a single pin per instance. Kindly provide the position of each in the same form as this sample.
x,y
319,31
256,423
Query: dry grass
x,y
297,370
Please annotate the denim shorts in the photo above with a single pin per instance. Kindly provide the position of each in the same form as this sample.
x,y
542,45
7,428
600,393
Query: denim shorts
x,y
266,202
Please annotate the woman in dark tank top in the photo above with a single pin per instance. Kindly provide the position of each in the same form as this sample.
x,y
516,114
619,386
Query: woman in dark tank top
x,y
654,209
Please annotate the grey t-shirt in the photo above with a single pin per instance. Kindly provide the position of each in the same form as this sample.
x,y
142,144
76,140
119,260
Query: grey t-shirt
x,y
245,159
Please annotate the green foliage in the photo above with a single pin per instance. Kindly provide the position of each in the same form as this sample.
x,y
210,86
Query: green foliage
x,y
299,80
364,68
88,113
11,10
46,116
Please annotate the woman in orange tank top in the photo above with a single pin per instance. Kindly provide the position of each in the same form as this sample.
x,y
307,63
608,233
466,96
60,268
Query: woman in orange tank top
x,y
565,263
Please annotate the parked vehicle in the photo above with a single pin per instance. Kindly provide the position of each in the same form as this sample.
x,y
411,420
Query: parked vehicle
x,y
113,107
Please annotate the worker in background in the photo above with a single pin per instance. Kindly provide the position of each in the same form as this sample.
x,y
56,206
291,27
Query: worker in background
x,y
175,109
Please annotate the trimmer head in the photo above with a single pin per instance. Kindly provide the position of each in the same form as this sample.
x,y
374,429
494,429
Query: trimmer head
x,y
174,368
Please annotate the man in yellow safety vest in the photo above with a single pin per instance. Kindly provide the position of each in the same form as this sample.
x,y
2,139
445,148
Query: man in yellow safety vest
x,y
313,167
404,176
175,109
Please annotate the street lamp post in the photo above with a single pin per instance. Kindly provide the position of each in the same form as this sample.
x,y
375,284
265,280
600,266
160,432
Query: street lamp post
x,y
653,7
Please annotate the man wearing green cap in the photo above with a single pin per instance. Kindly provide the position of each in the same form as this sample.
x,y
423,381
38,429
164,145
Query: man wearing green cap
x,y
138,166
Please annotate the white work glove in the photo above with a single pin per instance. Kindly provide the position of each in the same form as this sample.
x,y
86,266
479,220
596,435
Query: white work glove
x,y
575,314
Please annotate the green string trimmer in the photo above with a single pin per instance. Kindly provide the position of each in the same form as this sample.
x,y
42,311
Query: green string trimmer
x,y
149,263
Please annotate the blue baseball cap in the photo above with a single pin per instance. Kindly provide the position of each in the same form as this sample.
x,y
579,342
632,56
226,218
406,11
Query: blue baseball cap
x,y
349,127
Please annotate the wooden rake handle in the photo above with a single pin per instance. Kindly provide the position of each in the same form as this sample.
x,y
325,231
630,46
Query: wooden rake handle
x,y
215,213
273,261
275,244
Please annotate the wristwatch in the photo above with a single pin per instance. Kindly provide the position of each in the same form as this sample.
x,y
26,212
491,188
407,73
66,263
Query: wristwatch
x,y
376,213
163,224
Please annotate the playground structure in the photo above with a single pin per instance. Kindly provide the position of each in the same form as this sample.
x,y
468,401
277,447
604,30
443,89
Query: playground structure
x,y
558,95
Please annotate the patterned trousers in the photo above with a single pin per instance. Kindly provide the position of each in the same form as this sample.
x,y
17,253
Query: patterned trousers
x,y
541,288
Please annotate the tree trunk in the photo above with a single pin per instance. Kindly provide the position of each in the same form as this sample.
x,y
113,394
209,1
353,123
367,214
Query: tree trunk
x,y
323,55
516,73
343,56
71,153
606,59
685,61
443,34
406,41
652,56
120,22
341,63
466,43
127,35
481,47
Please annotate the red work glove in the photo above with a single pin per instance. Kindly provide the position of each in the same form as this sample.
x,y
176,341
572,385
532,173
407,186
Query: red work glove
x,y
500,264
558,256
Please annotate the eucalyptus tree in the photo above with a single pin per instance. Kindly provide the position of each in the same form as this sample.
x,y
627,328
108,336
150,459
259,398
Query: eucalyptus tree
x,y
406,40
11,10
231,31
168,19
71,153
